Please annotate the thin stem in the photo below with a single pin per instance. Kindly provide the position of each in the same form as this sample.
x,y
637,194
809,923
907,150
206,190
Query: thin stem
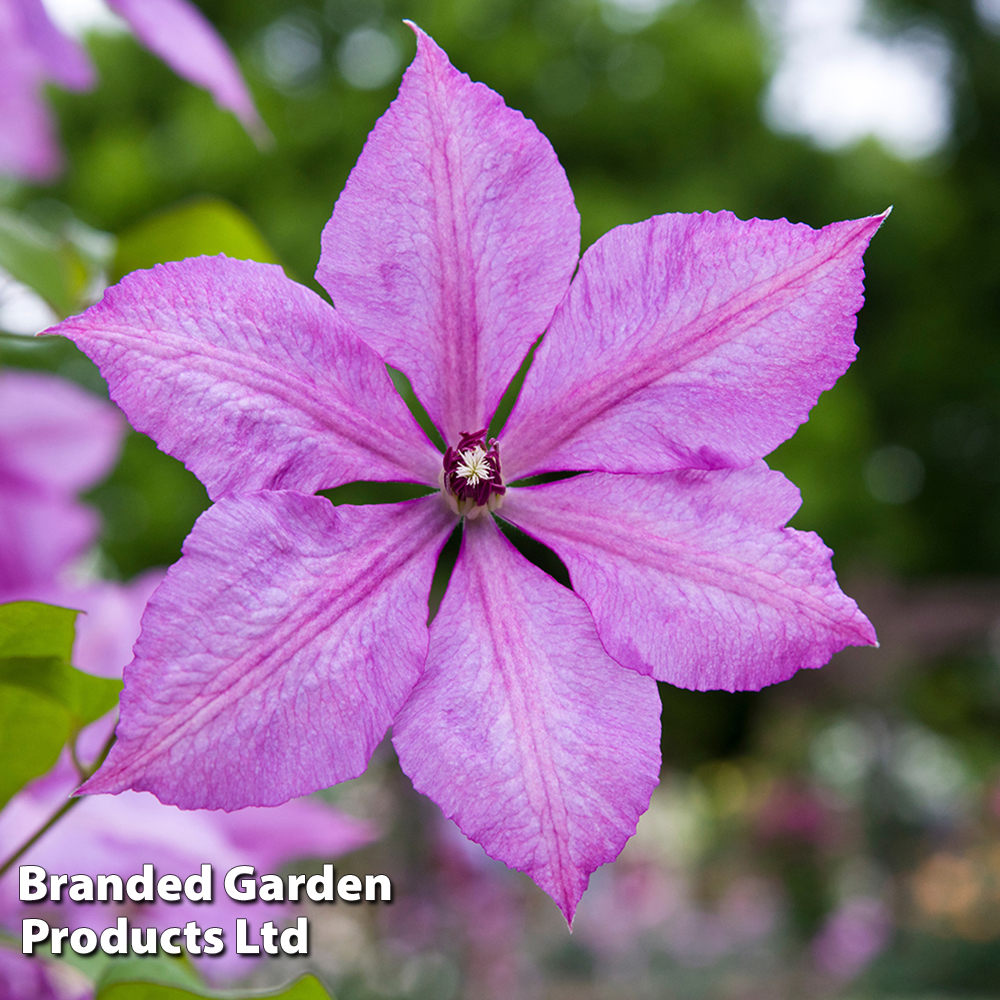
x,y
85,773
80,769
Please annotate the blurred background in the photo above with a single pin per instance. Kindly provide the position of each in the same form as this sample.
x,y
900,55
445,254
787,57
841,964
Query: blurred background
x,y
837,835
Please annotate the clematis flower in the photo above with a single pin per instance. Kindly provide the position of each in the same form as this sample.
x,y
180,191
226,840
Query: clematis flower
x,y
293,632
33,51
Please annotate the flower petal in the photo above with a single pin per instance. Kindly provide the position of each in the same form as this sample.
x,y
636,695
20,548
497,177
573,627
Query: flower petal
x,y
522,728
55,435
691,577
186,41
55,439
62,58
40,532
28,146
277,651
250,379
25,977
690,341
453,241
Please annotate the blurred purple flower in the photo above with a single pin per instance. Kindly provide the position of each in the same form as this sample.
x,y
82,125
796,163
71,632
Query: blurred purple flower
x,y
33,51
293,632
854,934
794,811
55,440
26,978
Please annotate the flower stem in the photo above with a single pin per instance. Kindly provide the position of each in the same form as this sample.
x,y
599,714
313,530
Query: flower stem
x,y
85,773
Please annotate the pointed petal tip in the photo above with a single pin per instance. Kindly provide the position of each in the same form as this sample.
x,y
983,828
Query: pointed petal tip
x,y
417,30
423,39
426,46
877,220
868,636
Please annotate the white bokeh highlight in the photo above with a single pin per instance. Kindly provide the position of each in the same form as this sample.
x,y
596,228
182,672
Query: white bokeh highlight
x,y
368,59
837,83
989,13
628,16
77,17
22,310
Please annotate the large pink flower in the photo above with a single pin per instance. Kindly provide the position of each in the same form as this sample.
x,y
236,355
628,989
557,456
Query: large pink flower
x,y
33,52
292,633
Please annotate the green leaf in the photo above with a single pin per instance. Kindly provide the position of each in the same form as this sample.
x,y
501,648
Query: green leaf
x,y
107,970
29,628
43,700
33,730
42,261
306,988
83,696
200,226
36,643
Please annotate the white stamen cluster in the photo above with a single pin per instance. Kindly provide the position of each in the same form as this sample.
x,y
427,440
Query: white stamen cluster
x,y
474,468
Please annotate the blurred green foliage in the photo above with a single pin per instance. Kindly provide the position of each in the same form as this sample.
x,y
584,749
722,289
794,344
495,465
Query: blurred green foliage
x,y
305,988
201,225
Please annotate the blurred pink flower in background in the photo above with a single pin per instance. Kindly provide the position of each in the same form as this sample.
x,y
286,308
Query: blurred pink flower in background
x,y
854,934
33,51
794,811
55,440
120,833
25,978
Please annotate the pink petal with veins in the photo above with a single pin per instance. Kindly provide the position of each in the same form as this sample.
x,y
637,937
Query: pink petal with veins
x,y
250,379
304,631
690,341
692,576
522,728
453,241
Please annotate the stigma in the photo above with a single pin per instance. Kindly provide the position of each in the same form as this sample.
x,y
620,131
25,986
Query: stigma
x,y
471,477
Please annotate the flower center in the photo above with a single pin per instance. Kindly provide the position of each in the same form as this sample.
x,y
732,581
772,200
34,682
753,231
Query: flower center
x,y
471,476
